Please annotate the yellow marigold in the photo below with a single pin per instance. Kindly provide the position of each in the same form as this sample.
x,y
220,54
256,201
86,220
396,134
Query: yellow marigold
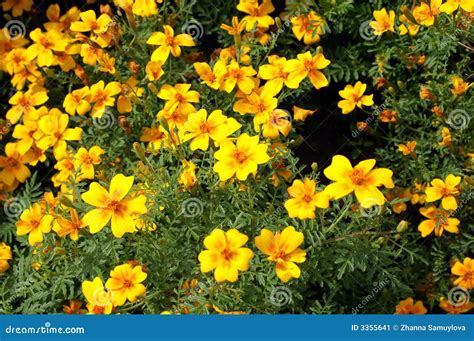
x,y
304,199
167,43
361,179
426,14
34,223
465,273
459,86
240,159
450,308
307,65
438,221
283,248
451,5
308,27
125,283
188,177
446,190
225,254
384,21
99,300
354,96
112,206
5,256
64,227
409,306
257,14
408,148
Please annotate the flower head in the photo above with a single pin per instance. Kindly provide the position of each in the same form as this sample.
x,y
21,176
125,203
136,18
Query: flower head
x,y
125,283
307,65
354,96
64,227
168,42
446,190
438,221
283,248
240,159
5,256
304,199
384,21
361,179
409,306
34,223
112,205
225,254
465,272
257,14
99,300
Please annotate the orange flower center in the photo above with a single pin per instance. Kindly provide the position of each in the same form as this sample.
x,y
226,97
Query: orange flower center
x,y
205,127
227,254
357,177
240,157
308,65
113,205
11,163
180,98
127,283
307,198
98,309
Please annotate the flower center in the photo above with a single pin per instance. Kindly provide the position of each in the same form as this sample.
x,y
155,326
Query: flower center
x,y
227,254
357,177
240,157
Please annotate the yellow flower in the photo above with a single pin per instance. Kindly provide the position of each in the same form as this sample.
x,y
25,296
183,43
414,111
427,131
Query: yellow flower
x,y
275,76
308,27
257,14
107,64
447,190
112,205
450,308
65,166
128,94
154,70
304,199
208,75
236,28
155,136
465,271
354,96
24,104
383,21
17,6
56,133
409,306
307,65
362,179
240,159
99,301
388,116
283,248
451,5
236,75
168,42
225,254
260,102
188,177
5,256
179,98
102,96
85,160
77,101
89,22
44,45
300,114
145,8
71,228
34,223
446,137
12,165
200,128
125,283
278,121
459,86
425,14
408,148
438,221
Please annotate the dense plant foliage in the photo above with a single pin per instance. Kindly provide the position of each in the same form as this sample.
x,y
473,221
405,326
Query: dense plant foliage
x,y
236,157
